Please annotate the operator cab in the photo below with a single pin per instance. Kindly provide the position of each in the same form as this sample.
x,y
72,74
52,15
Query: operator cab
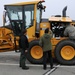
x,y
25,15
20,17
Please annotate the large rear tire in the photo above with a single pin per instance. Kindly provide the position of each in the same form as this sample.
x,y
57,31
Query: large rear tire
x,y
35,53
65,52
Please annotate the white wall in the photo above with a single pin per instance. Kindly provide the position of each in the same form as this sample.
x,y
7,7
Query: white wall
x,y
53,7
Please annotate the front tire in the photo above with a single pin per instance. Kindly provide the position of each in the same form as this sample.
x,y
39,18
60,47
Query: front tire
x,y
35,53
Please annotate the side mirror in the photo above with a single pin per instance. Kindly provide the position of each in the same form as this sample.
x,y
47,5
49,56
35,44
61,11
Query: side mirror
x,y
41,7
4,18
44,8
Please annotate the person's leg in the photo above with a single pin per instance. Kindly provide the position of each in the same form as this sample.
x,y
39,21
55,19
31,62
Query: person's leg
x,y
50,59
44,60
23,60
20,61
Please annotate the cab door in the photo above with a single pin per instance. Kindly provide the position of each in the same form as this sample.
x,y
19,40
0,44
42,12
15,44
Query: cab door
x,y
29,20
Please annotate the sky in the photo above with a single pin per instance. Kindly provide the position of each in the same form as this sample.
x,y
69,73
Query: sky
x,y
53,7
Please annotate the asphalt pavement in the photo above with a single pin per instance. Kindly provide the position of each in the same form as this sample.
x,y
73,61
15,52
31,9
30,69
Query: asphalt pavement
x,y
9,65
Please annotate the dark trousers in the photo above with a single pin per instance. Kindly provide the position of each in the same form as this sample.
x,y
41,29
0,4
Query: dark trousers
x,y
22,58
49,54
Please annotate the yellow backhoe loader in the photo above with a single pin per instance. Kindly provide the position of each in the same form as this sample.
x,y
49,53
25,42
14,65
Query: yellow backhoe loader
x,y
28,15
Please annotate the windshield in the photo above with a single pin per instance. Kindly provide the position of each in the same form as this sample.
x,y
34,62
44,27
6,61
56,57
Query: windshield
x,y
28,15
15,12
38,17
20,17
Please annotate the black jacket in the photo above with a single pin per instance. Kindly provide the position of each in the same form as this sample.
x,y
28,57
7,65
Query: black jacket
x,y
23,42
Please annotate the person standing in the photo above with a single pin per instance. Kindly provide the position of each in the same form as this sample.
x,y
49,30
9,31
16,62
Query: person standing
x,y
45,43
23,44
69,31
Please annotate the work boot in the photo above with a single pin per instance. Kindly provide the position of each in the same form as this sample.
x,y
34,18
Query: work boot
x,y
20,66
44,67
51,67
25,68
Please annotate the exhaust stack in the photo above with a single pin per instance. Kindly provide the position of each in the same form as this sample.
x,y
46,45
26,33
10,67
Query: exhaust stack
x,y
64,11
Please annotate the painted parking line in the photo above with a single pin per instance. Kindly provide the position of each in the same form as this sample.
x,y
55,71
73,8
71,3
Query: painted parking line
x,y
26,64
64,66
18,64
52,70
8,64
60,66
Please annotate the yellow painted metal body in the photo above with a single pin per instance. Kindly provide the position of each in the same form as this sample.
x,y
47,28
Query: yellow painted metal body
x,y
25,3
6,40
60,19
